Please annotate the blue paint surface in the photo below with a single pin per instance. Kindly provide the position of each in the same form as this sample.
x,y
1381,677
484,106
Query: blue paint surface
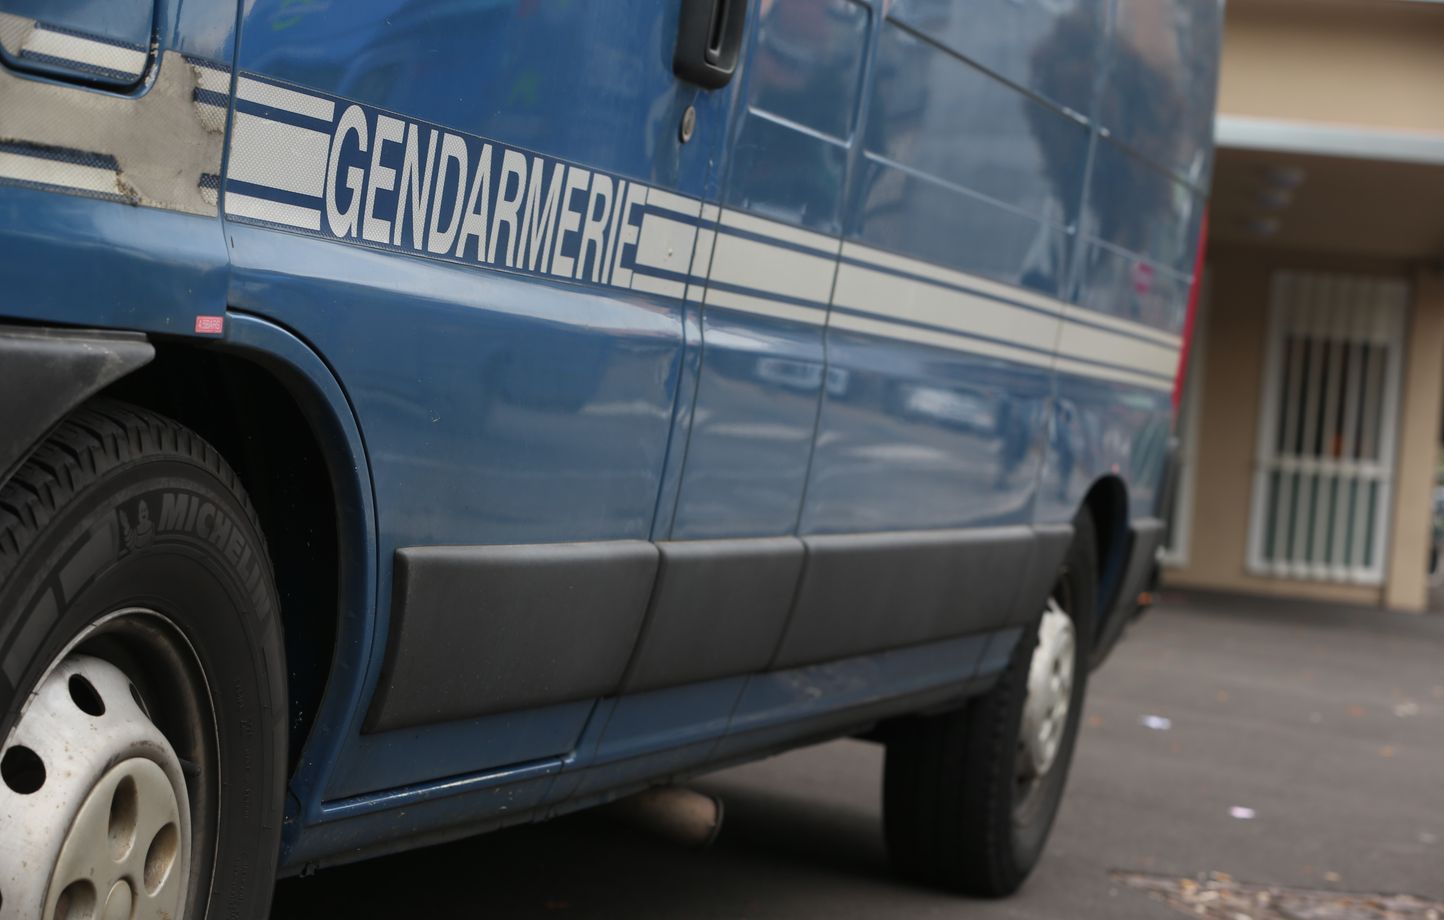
x,y
1041,46
581,81
108,264
463,398
756,407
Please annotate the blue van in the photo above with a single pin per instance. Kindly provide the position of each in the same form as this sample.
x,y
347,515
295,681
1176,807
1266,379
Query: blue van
x,y
419,417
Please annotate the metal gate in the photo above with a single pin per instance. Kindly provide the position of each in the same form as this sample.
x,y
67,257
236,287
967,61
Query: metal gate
x,y
1325,454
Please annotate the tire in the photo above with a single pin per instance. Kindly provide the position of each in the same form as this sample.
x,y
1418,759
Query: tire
x,y
956,812
129,552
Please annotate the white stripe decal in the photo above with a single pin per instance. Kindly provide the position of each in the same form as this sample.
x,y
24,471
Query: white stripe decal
x,y
54,172
1095,344
948,340
671,202
734,261
782,232
273,211
664,244
1121,342
773,269
761,306
1007,292
952,342
701,264
85,51
702,254
947,276
1143,331
278,97
888,295
278,155
664,286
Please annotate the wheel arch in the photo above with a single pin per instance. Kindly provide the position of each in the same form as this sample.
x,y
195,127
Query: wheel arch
x,y
269,404
1107,504
49,372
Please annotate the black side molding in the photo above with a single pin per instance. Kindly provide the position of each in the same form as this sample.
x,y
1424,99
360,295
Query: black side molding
x,y
866,592
481,630
717,611
477,630
48,372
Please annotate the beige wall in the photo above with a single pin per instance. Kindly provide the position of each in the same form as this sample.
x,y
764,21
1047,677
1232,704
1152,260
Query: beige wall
x,y
1407,587
1237,317
1360,62
1366,63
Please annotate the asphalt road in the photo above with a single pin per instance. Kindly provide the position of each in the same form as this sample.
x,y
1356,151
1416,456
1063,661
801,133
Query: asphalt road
x,y
1327,726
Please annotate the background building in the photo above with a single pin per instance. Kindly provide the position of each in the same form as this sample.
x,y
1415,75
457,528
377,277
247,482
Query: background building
x,y
1313,415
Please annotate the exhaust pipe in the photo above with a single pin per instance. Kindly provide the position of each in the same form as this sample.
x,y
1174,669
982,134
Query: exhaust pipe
x,y
674,813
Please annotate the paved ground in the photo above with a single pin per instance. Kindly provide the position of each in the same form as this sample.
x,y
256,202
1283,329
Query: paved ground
x,y
1327,724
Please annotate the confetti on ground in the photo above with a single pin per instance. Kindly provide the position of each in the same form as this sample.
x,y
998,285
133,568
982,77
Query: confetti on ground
x,y
1242,813
1219,897
1157,723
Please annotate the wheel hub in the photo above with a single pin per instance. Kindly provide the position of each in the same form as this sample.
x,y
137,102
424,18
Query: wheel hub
x,y
1050,690
93,799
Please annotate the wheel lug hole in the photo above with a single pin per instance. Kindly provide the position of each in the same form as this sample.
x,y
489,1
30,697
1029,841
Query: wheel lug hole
x,y
76,902
160,858
124,807
85,696
22,770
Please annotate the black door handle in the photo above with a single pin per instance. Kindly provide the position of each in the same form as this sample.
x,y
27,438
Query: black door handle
x,y
709,41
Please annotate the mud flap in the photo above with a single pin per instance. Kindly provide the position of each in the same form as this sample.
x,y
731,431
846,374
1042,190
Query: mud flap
x,y
48,372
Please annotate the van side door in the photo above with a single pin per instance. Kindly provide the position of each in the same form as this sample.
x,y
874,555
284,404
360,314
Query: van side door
x,y
477,212
774,234
771,270
954,268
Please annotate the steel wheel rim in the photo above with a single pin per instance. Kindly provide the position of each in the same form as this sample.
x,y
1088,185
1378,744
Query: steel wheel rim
x,y
1047,705
106,801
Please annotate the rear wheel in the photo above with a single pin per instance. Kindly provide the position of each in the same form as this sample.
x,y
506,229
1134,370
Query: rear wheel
x,y
142,690
969,796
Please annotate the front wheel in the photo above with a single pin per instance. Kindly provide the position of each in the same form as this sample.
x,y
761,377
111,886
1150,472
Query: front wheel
x,y
142,682
969,796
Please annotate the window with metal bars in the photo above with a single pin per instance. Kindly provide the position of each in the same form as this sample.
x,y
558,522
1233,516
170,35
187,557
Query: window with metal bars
x,y
1325,457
